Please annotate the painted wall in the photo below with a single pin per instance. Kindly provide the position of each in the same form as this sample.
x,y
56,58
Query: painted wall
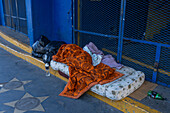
x,y
0,16
51,19
42,18
62,29
1,13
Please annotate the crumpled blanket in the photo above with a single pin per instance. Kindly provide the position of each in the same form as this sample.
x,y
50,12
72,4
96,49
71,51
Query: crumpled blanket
x,y
107,59
83,75
110,61
94,49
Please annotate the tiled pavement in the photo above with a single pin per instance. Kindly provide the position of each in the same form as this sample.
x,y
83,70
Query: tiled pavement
x,y
27,89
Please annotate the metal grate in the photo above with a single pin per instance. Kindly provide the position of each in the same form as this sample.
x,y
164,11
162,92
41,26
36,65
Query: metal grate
x,y
136,19
144,53
148,72
139,56
107,45
15,15
147,20
164,66
99,16
163,79
165,59
145,23
158,22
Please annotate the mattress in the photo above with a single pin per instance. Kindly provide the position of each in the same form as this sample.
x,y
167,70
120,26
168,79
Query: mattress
x,y
115,90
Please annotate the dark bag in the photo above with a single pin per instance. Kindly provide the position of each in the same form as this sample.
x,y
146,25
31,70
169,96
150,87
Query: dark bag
x,y
37,55
51,49
38,47
43,41
44,48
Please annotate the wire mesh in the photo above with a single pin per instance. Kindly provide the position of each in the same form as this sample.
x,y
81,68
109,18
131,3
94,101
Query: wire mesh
x,y
158,22
141,52
148,72
99,16
136,19
147,20
139,56
165,59
163,79
144,20
164,66
106,44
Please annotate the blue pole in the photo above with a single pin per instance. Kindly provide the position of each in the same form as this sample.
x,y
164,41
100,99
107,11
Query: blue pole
x,y
73,27
2,13
147,42
29,21
158,52
97,34
121,30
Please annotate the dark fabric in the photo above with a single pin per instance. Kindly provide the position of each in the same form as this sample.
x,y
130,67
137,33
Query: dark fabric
x,y
37,48
53,46
44,48
43,41
37,55
51,49
63,74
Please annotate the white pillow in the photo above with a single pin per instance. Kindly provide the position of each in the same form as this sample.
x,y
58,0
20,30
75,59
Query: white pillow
x,y
96,59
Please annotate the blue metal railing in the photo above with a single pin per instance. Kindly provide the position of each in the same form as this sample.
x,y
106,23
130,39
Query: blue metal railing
x,y
121,38
121,29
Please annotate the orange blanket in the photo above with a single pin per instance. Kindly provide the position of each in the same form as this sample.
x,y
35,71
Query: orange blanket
x,y
83,75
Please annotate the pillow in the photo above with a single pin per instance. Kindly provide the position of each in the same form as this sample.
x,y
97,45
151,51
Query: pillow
x,y
96,59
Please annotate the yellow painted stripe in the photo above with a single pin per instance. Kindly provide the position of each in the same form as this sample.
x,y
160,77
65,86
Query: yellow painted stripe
x,y
137,62
126,105
164,72
16,43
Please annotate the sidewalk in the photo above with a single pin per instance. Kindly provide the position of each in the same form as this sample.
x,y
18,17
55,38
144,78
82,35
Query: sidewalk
x,y
42,86
38,85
